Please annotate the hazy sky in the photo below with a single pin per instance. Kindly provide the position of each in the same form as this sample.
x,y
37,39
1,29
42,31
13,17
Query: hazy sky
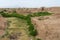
x,y
28,3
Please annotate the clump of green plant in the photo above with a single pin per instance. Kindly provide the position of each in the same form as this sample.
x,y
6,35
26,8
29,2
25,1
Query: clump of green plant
x,y
40,14
32,30
38,39
12,15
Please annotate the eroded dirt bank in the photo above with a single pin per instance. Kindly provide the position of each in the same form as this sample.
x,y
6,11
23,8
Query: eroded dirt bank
x,y
48,27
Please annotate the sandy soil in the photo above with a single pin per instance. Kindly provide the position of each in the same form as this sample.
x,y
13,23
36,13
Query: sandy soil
x,y
48,27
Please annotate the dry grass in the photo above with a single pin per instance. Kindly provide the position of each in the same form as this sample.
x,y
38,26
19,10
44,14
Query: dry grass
x,y
17,26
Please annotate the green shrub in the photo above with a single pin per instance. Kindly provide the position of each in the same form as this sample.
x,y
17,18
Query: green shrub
x,y
33,33
38,39
41,14
31,27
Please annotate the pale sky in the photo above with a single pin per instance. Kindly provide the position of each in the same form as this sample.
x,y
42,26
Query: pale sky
x,y
28,3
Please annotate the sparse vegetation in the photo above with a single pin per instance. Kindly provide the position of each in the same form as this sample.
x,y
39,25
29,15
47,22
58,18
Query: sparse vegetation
x,y
13,15
13,37
38,39
31,29
41,14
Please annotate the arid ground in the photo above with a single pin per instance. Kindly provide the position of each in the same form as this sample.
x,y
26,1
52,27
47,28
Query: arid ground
x,y
48,27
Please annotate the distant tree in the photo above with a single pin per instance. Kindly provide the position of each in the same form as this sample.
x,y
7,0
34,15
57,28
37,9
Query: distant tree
x,y
42,9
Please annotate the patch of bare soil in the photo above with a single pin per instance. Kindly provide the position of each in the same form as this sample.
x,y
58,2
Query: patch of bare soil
x,y
3,26
48,27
